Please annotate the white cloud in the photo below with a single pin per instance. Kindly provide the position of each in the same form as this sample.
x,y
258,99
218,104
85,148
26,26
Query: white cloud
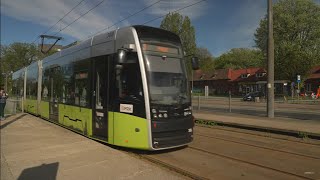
x,y
245,21
48,12
166,6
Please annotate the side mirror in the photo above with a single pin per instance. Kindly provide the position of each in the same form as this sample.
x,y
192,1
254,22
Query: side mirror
x,y
122,56
195,63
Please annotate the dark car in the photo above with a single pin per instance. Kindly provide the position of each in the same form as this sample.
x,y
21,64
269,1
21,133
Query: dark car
x,y
252,95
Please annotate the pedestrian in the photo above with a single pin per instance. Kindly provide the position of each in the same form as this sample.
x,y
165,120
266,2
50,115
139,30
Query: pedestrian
x,y
318,93
3,100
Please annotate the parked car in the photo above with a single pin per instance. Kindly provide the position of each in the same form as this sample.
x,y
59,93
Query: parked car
x,y
252,95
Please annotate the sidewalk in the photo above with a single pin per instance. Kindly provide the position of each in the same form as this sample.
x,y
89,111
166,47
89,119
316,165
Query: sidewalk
x,y
32,148
277,125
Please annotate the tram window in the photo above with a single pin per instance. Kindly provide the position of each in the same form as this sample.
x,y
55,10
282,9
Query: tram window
x,y
81,75
32,83
131,83
81,87
46,85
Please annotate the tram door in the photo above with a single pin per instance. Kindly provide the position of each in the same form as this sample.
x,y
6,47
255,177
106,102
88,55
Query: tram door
x,y
100,97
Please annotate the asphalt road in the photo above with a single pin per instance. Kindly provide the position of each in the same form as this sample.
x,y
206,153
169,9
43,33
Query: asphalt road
x,y
293,111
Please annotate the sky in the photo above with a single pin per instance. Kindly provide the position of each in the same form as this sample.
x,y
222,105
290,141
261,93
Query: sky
x,y
220,25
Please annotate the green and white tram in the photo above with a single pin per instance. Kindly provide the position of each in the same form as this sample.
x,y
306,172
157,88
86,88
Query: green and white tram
x,y
127,87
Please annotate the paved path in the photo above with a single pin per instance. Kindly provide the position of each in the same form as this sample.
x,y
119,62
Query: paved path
x,y
32,148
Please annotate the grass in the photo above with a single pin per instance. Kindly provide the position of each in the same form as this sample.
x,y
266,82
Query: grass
x,y
205,122
303,135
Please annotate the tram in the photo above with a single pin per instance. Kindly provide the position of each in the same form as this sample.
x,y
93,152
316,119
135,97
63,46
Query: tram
x,y
127,87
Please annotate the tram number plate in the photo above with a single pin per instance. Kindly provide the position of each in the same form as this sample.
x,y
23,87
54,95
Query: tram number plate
x,y
127,108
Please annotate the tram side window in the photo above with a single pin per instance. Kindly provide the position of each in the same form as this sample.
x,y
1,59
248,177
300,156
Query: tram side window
x,y
52,84
17,85
46,85
32,83
15,88
68,92
81,83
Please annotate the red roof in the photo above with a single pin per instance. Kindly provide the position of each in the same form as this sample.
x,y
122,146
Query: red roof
x,y
236,74
229,74
218,74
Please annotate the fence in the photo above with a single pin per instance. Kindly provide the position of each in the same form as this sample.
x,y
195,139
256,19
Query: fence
x,y
287,108
13,106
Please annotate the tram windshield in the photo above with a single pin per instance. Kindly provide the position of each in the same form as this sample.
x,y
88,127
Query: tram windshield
x,y
167,79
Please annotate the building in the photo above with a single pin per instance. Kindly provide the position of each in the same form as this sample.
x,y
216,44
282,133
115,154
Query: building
x,y
312,83
239,82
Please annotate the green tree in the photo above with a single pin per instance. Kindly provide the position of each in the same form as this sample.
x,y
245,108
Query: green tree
x,y
18,55
296,29
206,59
182,26
239,58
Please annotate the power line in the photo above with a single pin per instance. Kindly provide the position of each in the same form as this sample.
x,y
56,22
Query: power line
x,y
143,10
63,17
59,20
173,12
80,17
126,18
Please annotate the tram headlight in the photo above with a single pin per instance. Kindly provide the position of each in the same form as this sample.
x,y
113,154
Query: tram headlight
x,y
186,113
154,111
165,115
160,115
155,116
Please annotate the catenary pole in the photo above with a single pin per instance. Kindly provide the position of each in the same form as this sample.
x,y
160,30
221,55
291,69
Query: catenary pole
x,y
270,84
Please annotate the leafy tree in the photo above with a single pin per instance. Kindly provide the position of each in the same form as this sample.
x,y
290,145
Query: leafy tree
x,y
206,59
16,56
296,26
182,26
239,58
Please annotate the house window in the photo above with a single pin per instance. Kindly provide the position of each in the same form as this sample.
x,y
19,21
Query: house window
x,y
308,87
245,75
260,74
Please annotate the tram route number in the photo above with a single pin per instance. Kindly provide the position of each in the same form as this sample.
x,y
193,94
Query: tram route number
x,y
126,108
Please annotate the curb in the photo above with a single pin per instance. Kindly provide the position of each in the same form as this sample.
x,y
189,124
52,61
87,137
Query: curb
x,y
294,133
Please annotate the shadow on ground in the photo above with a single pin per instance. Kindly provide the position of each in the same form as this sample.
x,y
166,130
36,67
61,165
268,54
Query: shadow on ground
x,y
44,171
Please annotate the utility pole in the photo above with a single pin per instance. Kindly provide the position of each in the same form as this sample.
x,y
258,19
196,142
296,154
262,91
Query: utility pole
x,y
270,85
192,82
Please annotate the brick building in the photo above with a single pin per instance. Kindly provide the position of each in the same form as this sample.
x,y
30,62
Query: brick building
x,y
239,82
313,81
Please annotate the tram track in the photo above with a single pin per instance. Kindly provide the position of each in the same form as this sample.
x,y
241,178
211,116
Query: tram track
x,y
250,163
173,168
262,147
259,134
181,171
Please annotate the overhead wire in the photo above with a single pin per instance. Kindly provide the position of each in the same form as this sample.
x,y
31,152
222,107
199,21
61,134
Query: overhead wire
x,y
149,20
63,17
79,17
173,12
125,18
59,20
